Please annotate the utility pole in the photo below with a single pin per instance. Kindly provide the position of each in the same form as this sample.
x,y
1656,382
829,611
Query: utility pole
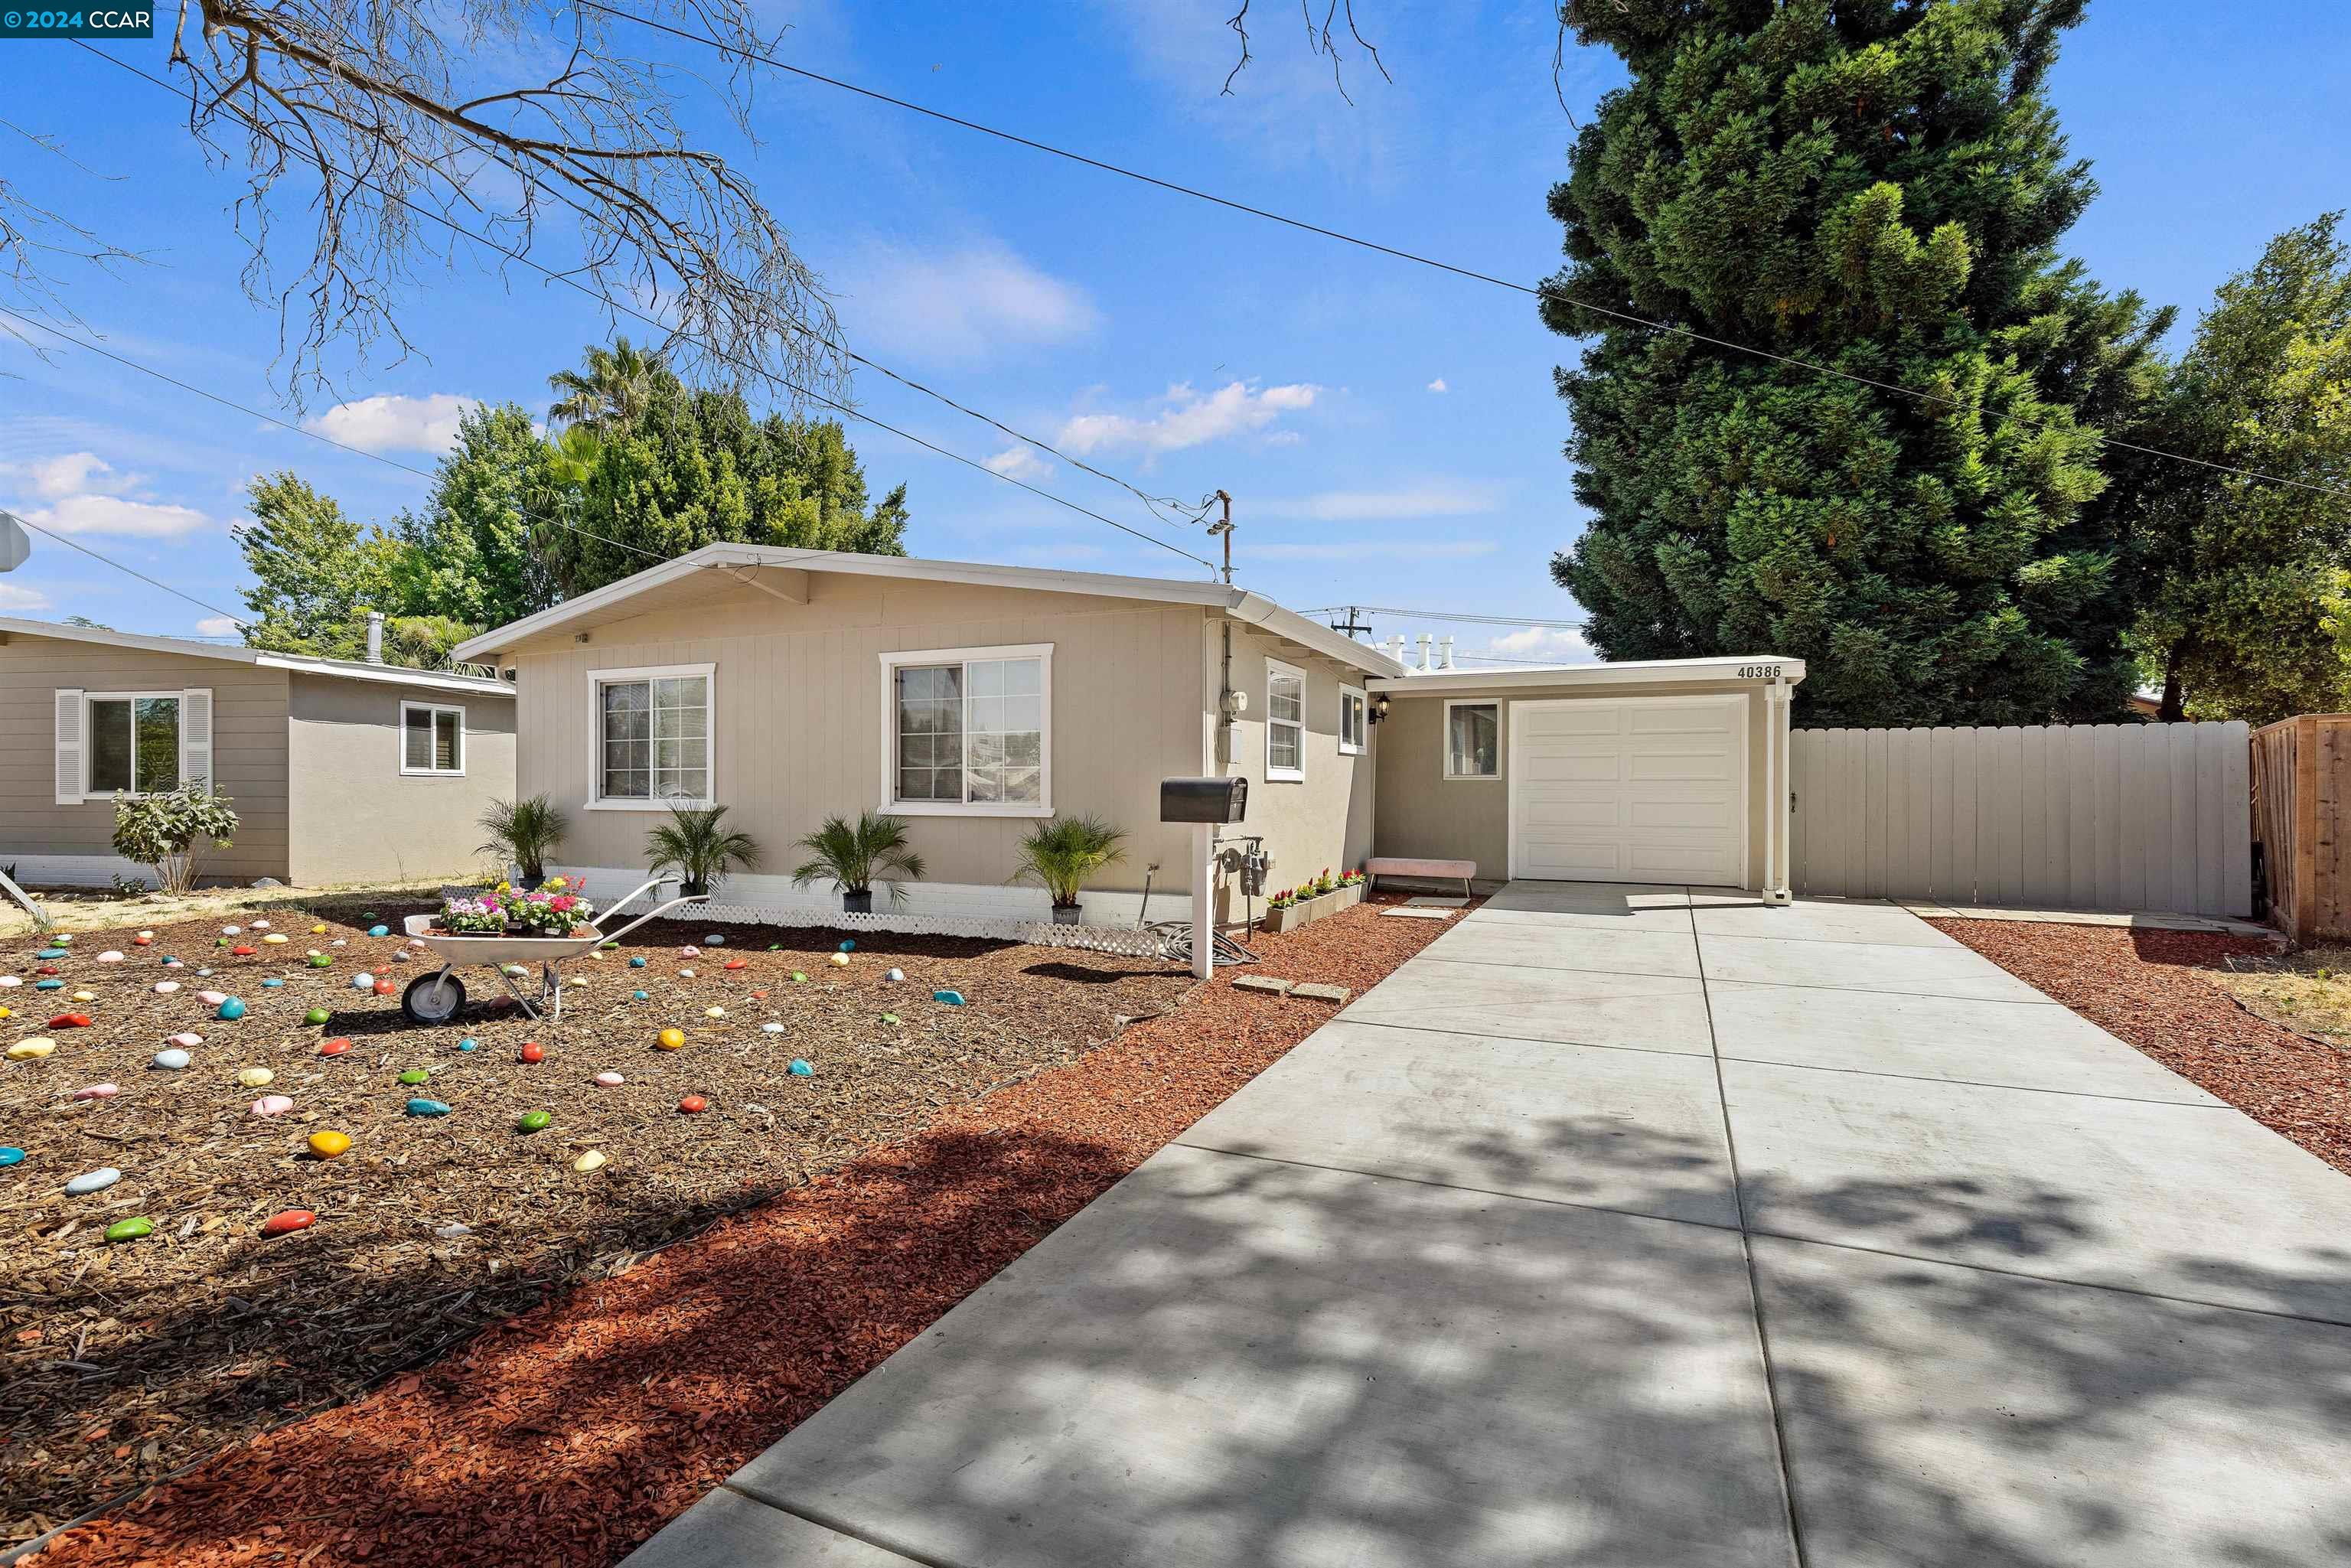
x,y
1349,627
1226,528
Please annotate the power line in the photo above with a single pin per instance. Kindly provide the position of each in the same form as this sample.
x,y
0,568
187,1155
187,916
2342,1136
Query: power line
x,y
612,304
108,560
1626,316
1460,615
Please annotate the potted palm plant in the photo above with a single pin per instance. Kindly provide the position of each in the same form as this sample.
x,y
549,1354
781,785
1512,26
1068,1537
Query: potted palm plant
x,y
852,854
523,832
700,847
1062,854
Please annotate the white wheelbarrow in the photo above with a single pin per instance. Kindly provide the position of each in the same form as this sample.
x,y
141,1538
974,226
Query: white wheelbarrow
x,y
439,995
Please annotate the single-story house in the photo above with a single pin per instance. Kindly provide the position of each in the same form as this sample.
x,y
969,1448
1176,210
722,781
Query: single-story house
x,y
341,771
974,700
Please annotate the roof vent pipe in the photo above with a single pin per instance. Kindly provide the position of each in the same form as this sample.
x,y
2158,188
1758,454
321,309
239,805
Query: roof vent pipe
x,y
1445,652
1396,647
1424,640
375,637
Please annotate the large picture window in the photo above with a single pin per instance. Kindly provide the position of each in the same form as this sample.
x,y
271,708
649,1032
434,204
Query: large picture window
x,y
652,738
1285,722
432,739
969,731
134,744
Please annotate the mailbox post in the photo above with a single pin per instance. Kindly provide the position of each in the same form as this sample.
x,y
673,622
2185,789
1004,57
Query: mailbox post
x,y
1206,804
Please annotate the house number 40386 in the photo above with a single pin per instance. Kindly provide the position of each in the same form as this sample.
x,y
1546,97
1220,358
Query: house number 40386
x,y
1759,672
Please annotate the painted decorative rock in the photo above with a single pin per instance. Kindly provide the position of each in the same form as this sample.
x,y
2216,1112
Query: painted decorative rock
x,y
10,981
384,987
427,1108
85,996
951,999
414,1076
802,1070
109,957
689,951
848,945
799,979
594,1160
50,953
321,961
379,931
272,1105
340,942
671,1039
889,1017
256,926
231,930
130,1230
895,976
317,1015
48,985
144,939
735,964
287,1222
211,998
531,1052
98,1180
327,1146
98,1091
70,1021
318,930
714,1013
174,1060
469,1045
532,1122
636,963
271,984
165,987
186,1039
232,1009
47,969
242,952
693,1104
276,939
452,1232
256,1077
714,941
686,974
63,938
338,1046
758,996
173,964
771,1026
611,1080
637,995
362,980
202,972
10,1155
841,960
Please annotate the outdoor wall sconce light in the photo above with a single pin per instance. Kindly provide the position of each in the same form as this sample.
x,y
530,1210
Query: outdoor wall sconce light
x,y
1379,708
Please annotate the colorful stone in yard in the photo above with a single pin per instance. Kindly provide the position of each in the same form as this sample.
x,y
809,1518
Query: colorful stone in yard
x,y
144,939
735,964
232,1009
802,1070
10,981
686,974
211,998
10,1154
362,980
469,1045
689,951
272,1105
327,1146
256,1078
85,996
894,976
257,926
379,931
48,985
165,987
50,953
714,941
610,1080
47,969
89,1182
288,1220
889,1017
415,1075
70,1021
338,1046
452,1232
714,1013
319,961
172,1059
531,1052
841,960
671,1039
318,930
130,1230
951,999
799,979
427,1108
771,1026
637,995
109,957
231,930
758,996
848,945
275,939
694,1104
315,1014
384,987
272,983
186,1039
636,963
171,963
98,1091
31,1050
532,1122
594,1160
242,952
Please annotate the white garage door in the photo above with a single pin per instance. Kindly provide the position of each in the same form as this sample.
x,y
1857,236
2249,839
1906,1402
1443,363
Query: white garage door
x,y
1629,790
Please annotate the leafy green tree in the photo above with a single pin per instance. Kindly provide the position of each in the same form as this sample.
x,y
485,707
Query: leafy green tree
x,y
1879,189
479,551
316,571
2250,611
610,392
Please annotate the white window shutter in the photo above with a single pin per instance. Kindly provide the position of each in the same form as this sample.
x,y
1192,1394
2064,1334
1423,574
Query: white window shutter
x,y
70,743
196,735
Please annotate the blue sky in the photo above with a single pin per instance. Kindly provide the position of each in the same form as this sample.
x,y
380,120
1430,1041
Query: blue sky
x,y
1389,434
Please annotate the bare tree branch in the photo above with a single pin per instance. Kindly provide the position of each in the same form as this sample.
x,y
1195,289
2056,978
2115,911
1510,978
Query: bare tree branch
x,y
1319,40
39,247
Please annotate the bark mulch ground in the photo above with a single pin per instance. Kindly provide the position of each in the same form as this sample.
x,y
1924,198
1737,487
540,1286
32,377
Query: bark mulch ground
x,y
2157,990
568,1432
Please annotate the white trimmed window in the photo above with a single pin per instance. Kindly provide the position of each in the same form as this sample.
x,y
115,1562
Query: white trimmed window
x,y
1473,740
651,738
969,731
1353,723
134,742
433,739
1285,722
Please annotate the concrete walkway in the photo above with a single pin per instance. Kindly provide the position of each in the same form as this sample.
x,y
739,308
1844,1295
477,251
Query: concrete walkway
x,y
1638,1227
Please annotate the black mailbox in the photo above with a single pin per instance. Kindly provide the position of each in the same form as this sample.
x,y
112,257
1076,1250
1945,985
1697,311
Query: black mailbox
x,y
1203,800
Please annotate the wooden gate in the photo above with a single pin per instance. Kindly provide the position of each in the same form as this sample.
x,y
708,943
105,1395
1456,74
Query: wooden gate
x,y
2302,788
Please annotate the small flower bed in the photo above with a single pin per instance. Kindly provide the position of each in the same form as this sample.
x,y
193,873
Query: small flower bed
x,y
1350,878
556,910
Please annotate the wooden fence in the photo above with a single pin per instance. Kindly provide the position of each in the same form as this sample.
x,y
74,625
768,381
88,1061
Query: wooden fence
x,y
2302,789
2154,817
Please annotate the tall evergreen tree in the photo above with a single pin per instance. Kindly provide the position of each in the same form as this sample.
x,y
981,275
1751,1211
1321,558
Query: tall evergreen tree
x,y
1876,186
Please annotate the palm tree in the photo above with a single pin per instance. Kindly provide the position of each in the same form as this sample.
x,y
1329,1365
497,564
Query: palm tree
x,y
613,393
523,832
1062,853
696,845
850,854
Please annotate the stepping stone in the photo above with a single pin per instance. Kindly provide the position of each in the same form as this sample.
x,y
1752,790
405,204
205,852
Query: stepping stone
x,y
1315,991
1407,912
1428,902
1265,983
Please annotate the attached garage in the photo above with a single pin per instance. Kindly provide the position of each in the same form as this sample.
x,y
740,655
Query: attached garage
x,y
1663,772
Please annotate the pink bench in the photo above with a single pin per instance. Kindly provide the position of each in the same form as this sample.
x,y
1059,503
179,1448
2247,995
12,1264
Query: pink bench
x,y
1379,866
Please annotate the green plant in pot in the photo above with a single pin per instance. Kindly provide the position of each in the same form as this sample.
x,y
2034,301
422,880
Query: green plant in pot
x,y
524,833
698,845
851,855
1062,855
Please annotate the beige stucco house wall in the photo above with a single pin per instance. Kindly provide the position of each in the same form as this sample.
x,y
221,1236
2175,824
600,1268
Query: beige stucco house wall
x,y
306,748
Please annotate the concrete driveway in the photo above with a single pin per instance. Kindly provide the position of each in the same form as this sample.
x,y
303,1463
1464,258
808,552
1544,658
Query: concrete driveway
x,y
1638,1226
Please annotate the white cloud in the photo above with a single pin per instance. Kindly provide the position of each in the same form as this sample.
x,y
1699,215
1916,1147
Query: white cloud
x,y
1438,386
1543,645
964,305
1436,498
1019,462
15,598
86,495
1186,417
1374,549
216,626
394,423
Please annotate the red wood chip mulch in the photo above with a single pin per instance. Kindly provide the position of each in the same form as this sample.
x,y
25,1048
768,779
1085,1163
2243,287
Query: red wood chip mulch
x,y
2148,988
571,1434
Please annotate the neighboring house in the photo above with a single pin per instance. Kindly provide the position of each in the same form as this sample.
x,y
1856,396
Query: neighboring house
x,y
340,771
976,700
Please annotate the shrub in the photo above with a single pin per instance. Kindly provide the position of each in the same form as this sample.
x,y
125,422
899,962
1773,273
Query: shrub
x,y
524,831
696,844
1062,854
163,830
852,854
